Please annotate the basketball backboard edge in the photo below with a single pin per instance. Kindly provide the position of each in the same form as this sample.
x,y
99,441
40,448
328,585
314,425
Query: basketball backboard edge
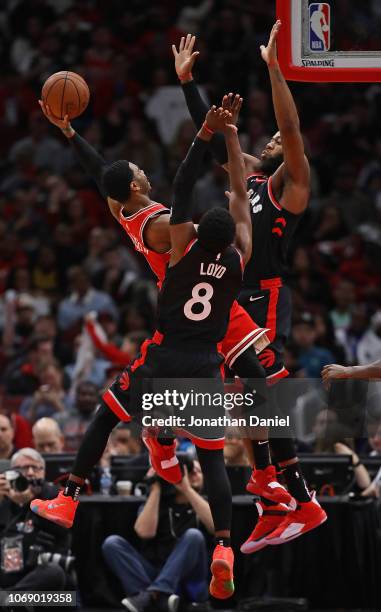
x,y
314,74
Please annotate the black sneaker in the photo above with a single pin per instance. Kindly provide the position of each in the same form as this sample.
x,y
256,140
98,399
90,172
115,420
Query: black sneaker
x,y
137,603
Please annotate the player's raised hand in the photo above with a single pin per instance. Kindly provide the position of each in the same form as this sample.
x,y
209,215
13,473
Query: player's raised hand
x,y
63,124
233,104
219,120
185,57
269,53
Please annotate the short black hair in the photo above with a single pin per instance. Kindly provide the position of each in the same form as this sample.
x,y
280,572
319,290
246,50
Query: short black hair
x,y
116,180
216,230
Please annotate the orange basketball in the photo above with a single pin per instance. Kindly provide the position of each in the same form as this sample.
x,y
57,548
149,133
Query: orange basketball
x,y
66,93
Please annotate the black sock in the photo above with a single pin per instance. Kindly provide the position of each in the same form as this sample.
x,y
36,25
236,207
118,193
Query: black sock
x,y
72,489
296,484
217,487
222,541
261,451
94,441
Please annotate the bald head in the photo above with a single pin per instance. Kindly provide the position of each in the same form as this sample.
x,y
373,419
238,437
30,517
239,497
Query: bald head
x,y
47,436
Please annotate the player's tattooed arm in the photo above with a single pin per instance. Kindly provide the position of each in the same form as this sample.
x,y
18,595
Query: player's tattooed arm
x,y
291,182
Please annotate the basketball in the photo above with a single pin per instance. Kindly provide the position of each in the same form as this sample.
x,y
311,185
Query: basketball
x,y
325,28
66,93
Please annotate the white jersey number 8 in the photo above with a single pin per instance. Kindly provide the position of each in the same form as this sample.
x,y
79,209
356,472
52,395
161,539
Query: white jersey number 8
x,y
199,299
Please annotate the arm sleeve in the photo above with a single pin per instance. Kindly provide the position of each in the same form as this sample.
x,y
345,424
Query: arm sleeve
x,y
185,179
92,162
112,352
198,109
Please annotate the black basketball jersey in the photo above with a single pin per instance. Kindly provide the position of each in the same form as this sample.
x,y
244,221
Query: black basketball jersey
x,y
273,227
197,294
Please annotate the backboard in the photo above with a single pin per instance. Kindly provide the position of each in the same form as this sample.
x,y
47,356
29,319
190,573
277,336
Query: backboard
x,y
332,41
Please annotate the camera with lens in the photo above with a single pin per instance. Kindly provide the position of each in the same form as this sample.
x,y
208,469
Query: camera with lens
x,y
168,489
17,481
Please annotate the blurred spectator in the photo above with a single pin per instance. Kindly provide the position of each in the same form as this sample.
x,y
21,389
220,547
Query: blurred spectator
x,y
126,440
354,206
325,337
83,299
332,439
351,337
146,152
192,14
311,357
6,437
173,553
128,350
345,297
45,151
45,272
75,421
24,535
21,377
369,347
88,364
234,449
47,436
50,397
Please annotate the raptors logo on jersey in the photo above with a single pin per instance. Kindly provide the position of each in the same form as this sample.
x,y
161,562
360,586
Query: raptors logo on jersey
x,y
272,230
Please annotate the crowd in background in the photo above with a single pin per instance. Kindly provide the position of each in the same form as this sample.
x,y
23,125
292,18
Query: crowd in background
x,y
63,256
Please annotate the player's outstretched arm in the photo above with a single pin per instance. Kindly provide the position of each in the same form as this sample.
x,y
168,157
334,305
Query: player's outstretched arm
x,y
221,120
291,182
91,161
185,59
334,371
238,198
182,229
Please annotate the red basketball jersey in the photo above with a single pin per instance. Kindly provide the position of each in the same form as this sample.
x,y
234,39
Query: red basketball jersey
x,y
134,226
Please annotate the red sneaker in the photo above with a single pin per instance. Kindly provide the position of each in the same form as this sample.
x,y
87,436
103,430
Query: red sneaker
x,y
307,516
264,484
222,583
164,460
60,510
270,517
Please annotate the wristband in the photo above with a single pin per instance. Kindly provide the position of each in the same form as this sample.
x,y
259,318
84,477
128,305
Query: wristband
x,y
207,128
355,465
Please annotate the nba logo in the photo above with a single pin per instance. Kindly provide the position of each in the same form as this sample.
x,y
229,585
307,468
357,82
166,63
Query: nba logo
x,y
320,27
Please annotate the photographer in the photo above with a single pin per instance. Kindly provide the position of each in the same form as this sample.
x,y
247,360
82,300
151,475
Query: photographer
x,y
173,552
27,541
